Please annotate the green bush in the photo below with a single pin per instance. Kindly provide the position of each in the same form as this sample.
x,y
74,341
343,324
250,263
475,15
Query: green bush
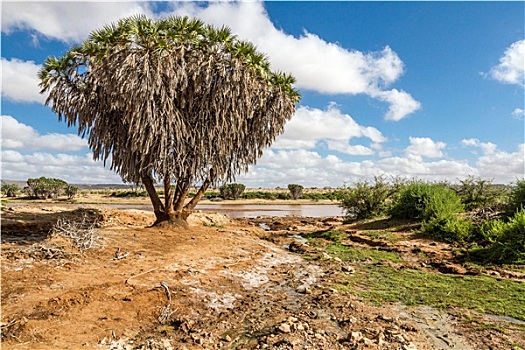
x,y
476,192
506,241
232,191
437,206
129,194
367,200
262,195
517,198
424,201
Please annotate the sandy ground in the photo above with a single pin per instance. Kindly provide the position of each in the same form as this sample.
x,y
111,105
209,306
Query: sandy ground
x,y
221,284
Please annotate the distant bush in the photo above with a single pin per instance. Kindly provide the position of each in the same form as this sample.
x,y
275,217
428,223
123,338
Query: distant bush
x,y
263,195
477,192
129,194
232,191
10,190
516,200
367,200
295,190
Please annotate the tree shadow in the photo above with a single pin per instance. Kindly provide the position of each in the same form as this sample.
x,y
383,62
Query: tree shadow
x,y
387,223
25,227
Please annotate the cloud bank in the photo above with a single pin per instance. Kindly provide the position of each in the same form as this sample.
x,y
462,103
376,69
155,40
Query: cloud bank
x,y
318,65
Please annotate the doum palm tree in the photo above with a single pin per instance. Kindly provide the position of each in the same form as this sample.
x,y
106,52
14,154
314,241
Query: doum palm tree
x,y
171,100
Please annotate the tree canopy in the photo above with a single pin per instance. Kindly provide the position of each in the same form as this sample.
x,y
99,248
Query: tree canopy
x,y
171,100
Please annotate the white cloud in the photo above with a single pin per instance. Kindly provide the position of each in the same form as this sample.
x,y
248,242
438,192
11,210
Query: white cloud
x,y
510,69
503,166
68,21
70,168
401,103
344,147
16,135
486,147
518,113
318,65
310,126
424,147
20,81
309,168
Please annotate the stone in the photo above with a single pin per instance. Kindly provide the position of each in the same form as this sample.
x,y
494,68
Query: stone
x,y
368,342
303,289
409,346
348,269
356,336
285,328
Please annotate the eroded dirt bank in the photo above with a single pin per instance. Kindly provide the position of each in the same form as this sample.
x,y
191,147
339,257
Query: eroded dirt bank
x,y
222,284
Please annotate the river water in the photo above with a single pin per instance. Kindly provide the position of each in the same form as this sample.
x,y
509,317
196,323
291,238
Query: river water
x,y
254,210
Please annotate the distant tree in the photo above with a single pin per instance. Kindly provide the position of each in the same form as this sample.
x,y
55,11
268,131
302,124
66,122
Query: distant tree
x,y
44,187
295,190
476,192
172,100
71,191
232,191
10,190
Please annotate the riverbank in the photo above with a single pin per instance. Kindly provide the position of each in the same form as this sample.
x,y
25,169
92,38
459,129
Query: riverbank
x,y
253,283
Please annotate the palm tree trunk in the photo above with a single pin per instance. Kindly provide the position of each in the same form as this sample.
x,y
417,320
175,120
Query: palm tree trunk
x,y
158,207
200,193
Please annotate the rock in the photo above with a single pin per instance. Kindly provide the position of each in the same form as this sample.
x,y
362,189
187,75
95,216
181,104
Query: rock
x,y
356,336
368,342
285,328
338,259
303,289
292,319
399,338
297,247
227,338
326,256
348,269
409,346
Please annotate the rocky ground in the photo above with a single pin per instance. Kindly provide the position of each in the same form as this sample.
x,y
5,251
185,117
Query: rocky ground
x,y
221,284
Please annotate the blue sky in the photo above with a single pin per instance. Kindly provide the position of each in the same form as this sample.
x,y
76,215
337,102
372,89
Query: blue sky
x,y
428,90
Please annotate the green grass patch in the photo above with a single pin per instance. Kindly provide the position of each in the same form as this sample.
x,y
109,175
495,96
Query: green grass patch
x,y
383,235
413,287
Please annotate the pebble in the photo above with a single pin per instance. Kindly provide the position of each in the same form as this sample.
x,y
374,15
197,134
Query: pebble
x,y
349,269
409,346
285,328
356,336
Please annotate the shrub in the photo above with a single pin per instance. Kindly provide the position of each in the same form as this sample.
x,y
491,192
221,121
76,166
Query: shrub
x,y
436,206
507,241
129,194
231,191
476,192
423,201
295,190
367,200
262,195
517,198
